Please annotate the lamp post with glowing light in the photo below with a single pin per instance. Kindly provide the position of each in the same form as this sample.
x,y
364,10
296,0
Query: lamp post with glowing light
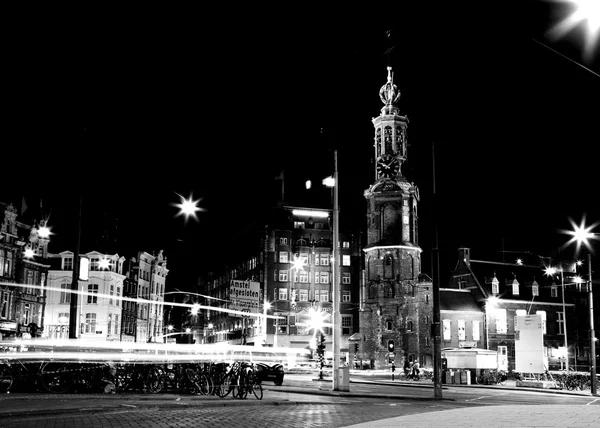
x,y
582,234
337,319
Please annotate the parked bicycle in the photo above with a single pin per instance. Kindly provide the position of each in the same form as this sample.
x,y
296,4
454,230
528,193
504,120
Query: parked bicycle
x,y
491,377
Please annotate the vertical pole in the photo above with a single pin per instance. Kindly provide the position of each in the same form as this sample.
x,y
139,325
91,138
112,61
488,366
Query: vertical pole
x,y
562,282
437,348
73,312
592,331
336,330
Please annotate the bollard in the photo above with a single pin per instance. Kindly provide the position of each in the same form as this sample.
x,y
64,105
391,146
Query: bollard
x,y
393,370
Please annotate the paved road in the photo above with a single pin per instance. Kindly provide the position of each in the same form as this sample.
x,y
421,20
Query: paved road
x,y
282,406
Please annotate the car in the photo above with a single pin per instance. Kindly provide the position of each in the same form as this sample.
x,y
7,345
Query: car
x,y
268,367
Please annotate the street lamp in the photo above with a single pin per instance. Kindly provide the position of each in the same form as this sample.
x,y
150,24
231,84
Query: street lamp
x,y
552,271
337,319
581,235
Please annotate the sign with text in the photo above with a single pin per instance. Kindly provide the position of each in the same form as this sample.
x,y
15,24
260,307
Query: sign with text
x,y
529,344
244,296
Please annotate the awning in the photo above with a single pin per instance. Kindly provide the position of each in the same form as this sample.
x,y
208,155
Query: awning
x,y
356,337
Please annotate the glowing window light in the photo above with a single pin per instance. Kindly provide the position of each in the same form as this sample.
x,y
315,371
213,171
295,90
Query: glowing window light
x,y
104,263
310,213
28,253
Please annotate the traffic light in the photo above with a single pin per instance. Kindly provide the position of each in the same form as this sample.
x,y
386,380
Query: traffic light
x,y
391,347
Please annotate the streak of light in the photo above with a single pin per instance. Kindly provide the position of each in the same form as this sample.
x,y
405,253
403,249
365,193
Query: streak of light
x,y
141,300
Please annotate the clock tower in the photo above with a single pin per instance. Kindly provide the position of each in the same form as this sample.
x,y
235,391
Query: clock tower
x,y
396,305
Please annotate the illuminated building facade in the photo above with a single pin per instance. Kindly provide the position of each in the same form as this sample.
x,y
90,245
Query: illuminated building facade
x,y
23,274
396,300
292,291
98,301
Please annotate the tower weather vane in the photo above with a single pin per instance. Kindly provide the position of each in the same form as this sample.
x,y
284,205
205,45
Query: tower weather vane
x,y
389,93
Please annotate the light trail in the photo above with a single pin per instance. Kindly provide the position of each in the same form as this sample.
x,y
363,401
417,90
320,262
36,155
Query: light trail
x,y
143,301
90,351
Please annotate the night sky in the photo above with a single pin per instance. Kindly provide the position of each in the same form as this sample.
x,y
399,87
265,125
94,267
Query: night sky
x,y
131,109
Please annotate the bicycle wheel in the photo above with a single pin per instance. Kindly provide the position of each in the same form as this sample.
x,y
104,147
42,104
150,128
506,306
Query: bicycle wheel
x,y
502,379
155,379
56,378
255,386
224,386
6,379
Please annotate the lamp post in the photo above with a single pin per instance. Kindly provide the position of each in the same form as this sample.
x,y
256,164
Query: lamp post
x,y
582,234
336,316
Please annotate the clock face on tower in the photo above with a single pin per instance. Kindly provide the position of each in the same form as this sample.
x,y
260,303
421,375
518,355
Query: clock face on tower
x,y
387,166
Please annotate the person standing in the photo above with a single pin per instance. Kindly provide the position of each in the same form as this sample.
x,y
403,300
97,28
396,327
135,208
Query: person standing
x,y
415,370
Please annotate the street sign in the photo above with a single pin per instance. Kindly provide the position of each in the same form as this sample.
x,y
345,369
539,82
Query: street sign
x,y
244,296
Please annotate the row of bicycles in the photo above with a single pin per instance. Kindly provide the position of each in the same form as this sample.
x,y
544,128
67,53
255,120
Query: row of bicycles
x,y
237,379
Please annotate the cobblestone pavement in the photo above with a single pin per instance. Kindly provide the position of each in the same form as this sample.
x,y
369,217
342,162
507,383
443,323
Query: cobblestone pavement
x,y
317,408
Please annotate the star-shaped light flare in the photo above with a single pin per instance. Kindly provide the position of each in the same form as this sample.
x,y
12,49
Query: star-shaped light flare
x,y
188,207
586,12
581,234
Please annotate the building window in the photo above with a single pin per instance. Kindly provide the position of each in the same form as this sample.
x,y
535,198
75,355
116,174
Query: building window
x,y
515,287
303,295
116,324
282,241
345,260
560,319
426,340
388,266
283,294
118,299
426,319
303,257
283,276
65,293
346,296
345,278
553,292
92,297
322,259
283,257
462,335
409,325
446,330
303,276
389,325
322,295
324,278
4,304
476,325
501,323
90,323
112,292
63,318
345,244
68,263
543,314
427,298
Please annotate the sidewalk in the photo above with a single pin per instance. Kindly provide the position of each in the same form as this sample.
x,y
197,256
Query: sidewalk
x,y
490,416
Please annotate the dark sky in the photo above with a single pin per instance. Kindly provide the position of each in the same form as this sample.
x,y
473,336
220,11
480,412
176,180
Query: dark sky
x,y
132,108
